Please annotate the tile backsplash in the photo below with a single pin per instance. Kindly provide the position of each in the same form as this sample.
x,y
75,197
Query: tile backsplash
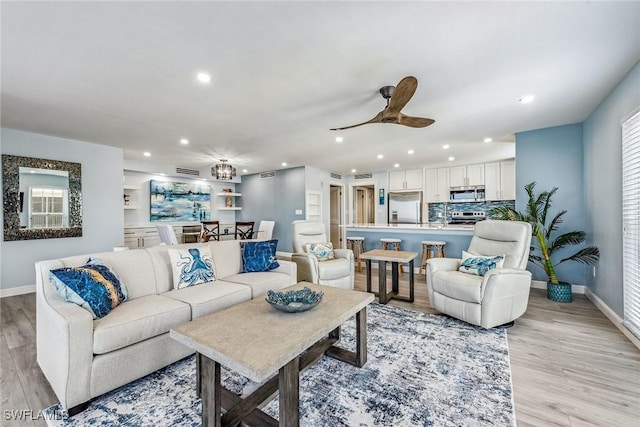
x,y
436,210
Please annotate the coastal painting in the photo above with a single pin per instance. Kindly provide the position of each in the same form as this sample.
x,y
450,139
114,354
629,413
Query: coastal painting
x,y
179,201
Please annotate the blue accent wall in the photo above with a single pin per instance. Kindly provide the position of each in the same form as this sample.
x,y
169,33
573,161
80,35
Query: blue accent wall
x,y
274,199
603,185
553,157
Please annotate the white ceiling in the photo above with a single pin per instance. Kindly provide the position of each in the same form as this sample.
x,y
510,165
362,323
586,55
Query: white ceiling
x,y
283,73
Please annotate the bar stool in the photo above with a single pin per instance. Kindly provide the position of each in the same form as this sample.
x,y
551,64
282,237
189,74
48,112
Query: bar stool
x,y
429,247
392,245
356,244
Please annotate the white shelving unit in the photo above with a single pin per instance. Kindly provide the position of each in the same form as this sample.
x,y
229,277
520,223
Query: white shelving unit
x,y
227,195
131,197
314,206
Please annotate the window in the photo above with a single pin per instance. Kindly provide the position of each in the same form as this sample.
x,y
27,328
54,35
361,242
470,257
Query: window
x,y
47,207
631,221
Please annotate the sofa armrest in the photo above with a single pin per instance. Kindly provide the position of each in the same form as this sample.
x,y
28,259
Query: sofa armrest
x,y
288,267
439,264
307,265
65,348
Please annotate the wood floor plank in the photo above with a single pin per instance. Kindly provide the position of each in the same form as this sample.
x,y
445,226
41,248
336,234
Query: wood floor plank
x,y
12,396
570,366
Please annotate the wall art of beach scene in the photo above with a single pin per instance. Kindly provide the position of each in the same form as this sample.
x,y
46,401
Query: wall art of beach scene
x,y
179,201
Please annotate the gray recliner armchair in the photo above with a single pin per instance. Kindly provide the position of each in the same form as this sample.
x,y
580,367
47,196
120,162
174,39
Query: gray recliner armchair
x,y
337,272
498,297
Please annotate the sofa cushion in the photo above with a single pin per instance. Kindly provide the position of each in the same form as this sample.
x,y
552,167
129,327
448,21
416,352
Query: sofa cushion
x,y
259,256
93,286
336,268
458,285
226,257
137,320
261,282
191,266
211,297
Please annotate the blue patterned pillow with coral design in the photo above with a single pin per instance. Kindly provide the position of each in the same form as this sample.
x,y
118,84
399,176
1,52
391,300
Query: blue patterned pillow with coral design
x,y
322,251
259,256
479,264
94,287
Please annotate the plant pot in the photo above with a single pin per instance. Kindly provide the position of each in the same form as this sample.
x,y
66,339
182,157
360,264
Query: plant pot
x,y
560,292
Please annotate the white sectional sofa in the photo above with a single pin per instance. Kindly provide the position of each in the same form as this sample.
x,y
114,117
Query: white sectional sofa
x,y
83,358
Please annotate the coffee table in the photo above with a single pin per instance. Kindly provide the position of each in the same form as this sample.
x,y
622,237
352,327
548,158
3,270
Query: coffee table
x,y
256,340
394,257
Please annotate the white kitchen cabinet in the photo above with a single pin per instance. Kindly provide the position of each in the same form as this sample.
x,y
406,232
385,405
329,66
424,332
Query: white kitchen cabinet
x,y
410,179
436,185
500,179
146,237
460,176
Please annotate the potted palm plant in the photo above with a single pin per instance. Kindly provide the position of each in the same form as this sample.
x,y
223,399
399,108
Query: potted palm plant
x,y
545,241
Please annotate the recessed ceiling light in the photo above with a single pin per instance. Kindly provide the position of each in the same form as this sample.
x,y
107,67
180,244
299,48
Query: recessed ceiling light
x,y
410,152
284,163
488,140
146,154
526,99
451,159
204,77
397,165
380,156
446,146
244,171
184,141
339,139
353,171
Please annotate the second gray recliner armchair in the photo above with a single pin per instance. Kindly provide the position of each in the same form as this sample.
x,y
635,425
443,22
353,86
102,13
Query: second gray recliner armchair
x,y
498,297
337,272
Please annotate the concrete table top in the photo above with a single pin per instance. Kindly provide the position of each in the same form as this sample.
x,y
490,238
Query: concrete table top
x,y
390,256
255,339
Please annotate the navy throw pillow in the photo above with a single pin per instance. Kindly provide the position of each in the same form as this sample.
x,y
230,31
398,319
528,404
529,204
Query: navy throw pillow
x,y
259,256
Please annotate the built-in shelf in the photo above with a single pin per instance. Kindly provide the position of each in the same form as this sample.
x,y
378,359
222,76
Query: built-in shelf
x,y
131,187
235,208
230,194
131,207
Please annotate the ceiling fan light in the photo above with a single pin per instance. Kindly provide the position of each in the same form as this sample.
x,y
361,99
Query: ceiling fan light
x,y
223,171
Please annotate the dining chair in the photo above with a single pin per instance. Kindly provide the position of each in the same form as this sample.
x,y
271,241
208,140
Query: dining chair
x,y
167,234
210,230
244,230
265,230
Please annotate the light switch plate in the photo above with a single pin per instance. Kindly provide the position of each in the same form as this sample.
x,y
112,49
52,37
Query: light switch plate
x,y
298,211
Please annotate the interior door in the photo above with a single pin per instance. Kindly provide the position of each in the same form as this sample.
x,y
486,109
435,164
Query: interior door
x,y
335,213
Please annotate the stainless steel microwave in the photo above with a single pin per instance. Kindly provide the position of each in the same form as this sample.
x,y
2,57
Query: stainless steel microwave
x,y
466,194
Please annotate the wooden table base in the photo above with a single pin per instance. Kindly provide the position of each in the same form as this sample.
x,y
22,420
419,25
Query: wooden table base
x,y
215,398
382,294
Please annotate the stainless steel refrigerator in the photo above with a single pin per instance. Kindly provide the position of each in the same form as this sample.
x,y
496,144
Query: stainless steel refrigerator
x,y
405,208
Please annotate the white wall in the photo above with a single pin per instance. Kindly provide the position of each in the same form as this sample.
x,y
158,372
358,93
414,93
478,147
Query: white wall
x,y
102,219
140,217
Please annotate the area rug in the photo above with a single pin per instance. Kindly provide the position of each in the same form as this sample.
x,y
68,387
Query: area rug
x,y
422,370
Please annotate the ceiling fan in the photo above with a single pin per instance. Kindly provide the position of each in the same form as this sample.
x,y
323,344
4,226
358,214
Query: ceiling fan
x,y
397,97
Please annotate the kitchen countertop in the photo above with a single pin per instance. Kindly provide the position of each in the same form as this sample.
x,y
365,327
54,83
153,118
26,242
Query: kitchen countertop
x,y
436,228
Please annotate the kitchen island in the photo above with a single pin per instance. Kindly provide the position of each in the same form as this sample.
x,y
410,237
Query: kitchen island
x,y
456,236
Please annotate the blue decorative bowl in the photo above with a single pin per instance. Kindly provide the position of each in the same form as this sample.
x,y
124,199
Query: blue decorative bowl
x,y
294,301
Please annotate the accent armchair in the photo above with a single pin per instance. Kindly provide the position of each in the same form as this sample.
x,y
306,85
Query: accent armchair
x,y
337,272
501,295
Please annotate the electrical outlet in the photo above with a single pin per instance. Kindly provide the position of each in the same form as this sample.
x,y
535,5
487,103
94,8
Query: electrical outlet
x,y
593,271
298,211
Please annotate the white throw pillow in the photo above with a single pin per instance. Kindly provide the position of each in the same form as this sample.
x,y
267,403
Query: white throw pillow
x,y
322,251
480,264
191,266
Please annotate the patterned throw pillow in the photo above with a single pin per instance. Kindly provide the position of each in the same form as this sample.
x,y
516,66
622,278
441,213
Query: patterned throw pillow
x,y
191,266
479,264
94,287
259,256
322,251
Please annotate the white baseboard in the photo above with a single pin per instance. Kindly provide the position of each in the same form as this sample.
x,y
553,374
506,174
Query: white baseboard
x,y
613,317
575,289
20,290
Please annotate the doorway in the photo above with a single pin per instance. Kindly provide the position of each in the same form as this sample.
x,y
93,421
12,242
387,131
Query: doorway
x,y
336,214
364,204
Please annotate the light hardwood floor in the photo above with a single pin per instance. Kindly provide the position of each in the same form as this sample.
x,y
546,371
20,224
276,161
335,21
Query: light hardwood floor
x,y
570,365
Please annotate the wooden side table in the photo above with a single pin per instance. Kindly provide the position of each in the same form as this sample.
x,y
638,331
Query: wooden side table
x,y
395,258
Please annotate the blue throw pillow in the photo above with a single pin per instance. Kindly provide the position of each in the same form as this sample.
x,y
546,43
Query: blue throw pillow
x,y
94,287
191,266
479,264
259,256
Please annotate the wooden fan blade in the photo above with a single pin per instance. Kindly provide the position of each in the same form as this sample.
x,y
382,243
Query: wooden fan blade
x,y
401,95
376,119
414,122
